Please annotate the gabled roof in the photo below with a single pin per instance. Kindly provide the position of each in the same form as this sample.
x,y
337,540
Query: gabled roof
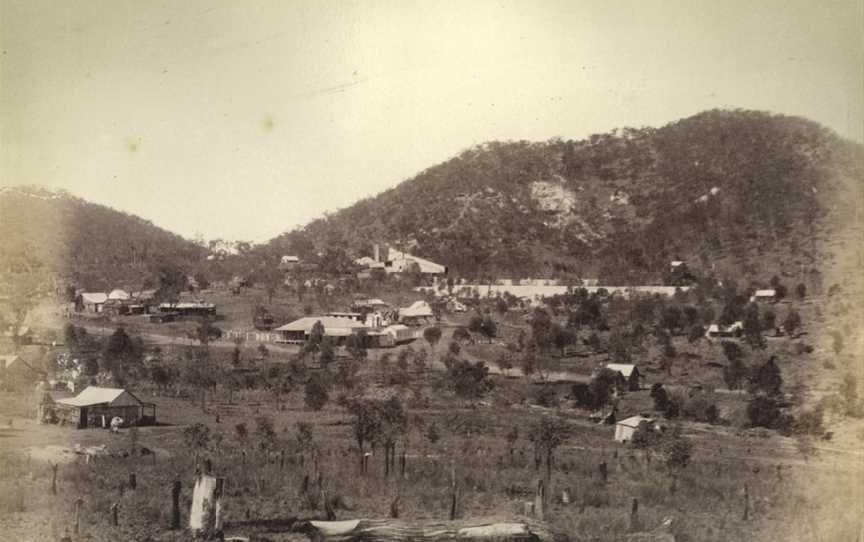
x,y
625,369
329,322
634,421
94,297
117,293
95,395
417,309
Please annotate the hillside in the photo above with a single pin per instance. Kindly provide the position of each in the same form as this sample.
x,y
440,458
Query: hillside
x,y
84,244
729,191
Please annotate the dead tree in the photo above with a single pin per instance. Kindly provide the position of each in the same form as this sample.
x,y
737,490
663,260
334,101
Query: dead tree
x,y
388,530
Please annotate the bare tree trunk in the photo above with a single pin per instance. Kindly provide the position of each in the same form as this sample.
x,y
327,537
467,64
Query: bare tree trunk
x,y
389,530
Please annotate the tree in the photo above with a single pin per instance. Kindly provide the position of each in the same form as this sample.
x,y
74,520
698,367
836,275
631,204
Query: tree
x,y
767,378
326,354
660,397
548,435
792,322
676,449
469,380
475,324
753,327
801,290
316,394
602,386
764,411
432,335
696,333
488,328
265,433
366,424
122,354
461,334
197,437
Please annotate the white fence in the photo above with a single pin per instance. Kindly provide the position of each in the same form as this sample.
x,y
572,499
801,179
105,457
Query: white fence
x,y
252,336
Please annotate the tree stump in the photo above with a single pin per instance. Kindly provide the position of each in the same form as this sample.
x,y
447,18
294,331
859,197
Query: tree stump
x,y
78,504
175,505
54,478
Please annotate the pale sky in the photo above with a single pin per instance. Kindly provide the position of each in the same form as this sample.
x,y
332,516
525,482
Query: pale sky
x,y
241,120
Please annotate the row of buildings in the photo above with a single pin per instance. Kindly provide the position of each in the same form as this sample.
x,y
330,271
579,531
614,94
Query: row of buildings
x,y
121,302
380,325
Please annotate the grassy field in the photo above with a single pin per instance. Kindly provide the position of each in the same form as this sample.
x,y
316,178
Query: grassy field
x,y
705,499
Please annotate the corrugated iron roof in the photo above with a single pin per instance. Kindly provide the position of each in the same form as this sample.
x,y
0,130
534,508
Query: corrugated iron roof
x,y
625,369
95,395
94,297
330,323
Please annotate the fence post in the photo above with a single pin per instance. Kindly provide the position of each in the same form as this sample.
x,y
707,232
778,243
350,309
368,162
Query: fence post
x,y
540,500
453,492
634,516
175,505
133,481
114,513
78,504
746,502
54,478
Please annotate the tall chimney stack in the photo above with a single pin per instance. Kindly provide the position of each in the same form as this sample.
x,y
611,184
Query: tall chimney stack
x,y
377,253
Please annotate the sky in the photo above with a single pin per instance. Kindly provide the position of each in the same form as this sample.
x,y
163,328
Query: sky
x,y
241,120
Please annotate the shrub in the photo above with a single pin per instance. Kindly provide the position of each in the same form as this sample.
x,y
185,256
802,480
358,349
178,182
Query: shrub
x,y
660,397
469,380
316,395
545,396
764,411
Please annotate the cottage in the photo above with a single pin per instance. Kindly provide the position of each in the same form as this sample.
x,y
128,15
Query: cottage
x,y
96,407
417,313
625,429
119,295
90,302
298,331
399,262
764,295
630,375
720,331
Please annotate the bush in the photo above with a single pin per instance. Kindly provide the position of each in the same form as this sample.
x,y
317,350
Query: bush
x,y
660,397
764,411
316,394
469,380
702,408
545,396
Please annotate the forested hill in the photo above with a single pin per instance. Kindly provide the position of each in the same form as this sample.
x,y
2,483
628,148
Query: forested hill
x,y
736,191
87,245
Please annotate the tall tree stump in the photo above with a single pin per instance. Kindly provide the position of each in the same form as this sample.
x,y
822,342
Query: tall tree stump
x,y
175,505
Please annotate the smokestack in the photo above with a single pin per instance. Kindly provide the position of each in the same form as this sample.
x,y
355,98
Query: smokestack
x,y
377,253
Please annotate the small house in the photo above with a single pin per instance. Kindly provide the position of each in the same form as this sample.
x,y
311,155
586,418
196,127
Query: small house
x,y
416,313
767,295
119,295
90,302
716,331
298,331
96,407
631,378
625,428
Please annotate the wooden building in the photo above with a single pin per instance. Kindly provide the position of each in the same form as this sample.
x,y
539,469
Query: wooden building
x,y
96,407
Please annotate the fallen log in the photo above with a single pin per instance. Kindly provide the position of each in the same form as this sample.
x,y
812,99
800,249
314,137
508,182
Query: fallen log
x,y
389,530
